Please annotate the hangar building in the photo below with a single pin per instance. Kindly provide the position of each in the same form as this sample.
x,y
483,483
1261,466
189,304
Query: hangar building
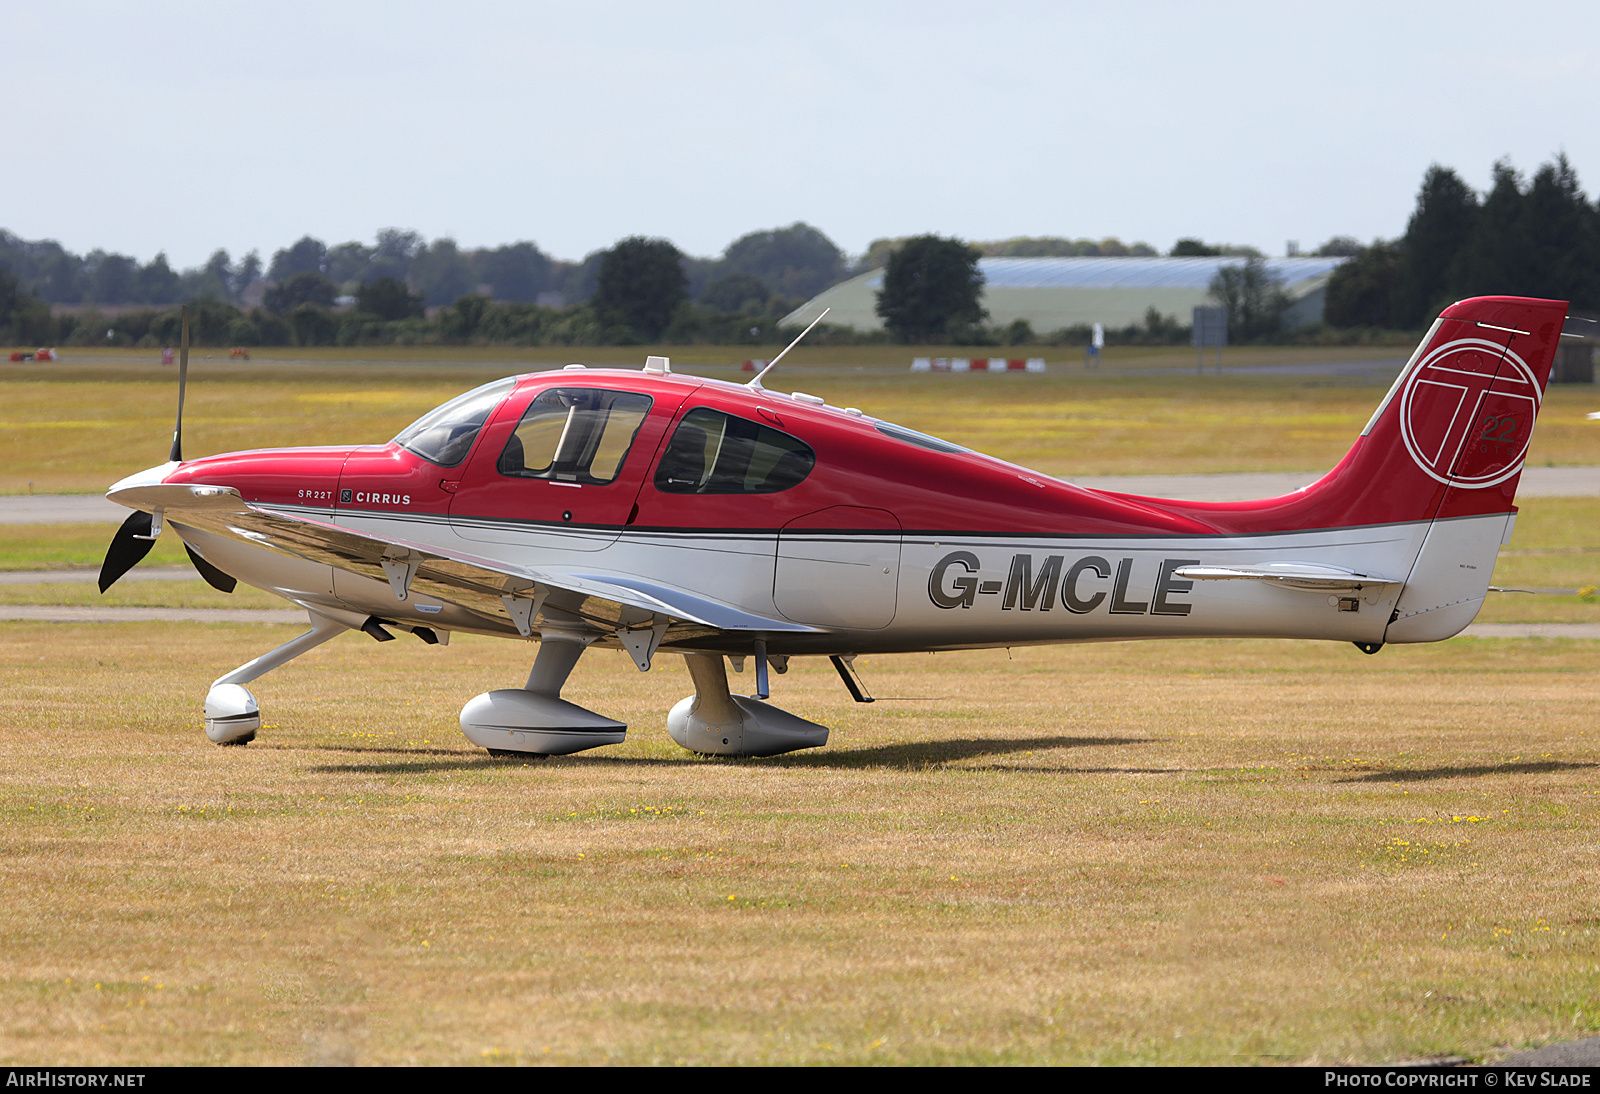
x,y
1052,293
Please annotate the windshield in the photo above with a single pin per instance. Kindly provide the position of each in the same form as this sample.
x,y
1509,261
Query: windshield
x,y
445,434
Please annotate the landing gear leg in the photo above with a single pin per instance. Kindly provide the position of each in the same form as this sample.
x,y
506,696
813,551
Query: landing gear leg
x,y
715,722
232,717
535,719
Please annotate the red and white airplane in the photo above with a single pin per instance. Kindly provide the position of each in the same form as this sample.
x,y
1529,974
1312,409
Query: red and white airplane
x,y
661,512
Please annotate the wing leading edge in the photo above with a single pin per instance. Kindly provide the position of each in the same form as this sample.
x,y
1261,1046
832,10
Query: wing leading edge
x,y
531,598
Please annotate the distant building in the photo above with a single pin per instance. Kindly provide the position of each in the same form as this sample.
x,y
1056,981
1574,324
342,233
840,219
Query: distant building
x,y
1052,293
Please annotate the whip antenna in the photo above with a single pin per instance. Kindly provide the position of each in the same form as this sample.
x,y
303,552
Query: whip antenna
x,y
756,383
183,378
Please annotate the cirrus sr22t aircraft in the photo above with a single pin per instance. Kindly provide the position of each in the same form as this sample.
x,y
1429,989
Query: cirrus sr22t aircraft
x,y
664,513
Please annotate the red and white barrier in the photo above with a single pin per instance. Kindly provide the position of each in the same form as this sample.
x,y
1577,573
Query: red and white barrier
x,y
977,364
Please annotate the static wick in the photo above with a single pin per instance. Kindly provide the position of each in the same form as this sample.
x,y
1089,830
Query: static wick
x,y
772,364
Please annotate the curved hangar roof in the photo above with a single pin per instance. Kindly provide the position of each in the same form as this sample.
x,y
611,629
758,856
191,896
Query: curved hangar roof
x,y
1051,293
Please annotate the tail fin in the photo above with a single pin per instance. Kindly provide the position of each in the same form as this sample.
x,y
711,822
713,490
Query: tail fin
x,y
1446,446
1449,438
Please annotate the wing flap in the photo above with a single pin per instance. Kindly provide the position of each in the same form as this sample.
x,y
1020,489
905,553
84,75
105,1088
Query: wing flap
x,y
1293,575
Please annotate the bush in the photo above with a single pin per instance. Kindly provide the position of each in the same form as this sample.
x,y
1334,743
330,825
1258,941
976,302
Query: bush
x,y
313,325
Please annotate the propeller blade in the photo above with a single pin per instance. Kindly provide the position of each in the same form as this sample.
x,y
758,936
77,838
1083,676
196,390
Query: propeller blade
x,y
127,550
183,379
218,580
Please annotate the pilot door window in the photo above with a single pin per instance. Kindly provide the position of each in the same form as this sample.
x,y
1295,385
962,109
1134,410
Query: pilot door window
x,y
577,435
715,453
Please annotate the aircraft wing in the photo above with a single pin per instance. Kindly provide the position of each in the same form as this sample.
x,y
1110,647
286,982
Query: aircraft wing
x,y
1295,575
489,587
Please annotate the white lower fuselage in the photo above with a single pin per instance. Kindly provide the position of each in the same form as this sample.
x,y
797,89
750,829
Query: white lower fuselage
x,y
882,592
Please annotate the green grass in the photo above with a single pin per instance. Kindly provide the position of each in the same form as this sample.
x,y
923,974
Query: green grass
x,y
73,546
139,594
1199,852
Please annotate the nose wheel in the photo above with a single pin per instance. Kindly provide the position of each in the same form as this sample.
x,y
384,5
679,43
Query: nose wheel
x,y
232,717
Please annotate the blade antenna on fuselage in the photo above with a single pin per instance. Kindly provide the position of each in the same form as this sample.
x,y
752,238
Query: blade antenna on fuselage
x,y
176,455
772,364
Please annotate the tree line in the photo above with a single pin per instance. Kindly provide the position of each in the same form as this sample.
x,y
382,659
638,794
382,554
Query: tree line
x,y
1536,237
1533,237
794,262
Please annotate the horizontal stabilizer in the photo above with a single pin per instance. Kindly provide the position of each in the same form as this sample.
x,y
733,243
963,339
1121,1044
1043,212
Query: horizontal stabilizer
x,y
1293,575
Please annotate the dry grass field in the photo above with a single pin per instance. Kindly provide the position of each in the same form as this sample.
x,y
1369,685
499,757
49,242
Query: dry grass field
x,y
1200,852
1188,852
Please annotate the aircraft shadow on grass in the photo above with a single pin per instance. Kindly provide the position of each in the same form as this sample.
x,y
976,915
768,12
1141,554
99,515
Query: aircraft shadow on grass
x,y
1429,774
909,757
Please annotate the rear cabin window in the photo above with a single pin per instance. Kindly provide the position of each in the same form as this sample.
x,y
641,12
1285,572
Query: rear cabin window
x,y
445,434
716,453
921,440
577,435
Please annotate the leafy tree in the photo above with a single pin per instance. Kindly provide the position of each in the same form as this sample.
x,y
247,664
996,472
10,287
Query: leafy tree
x,y
442,273
877,254
577,281
350,262
518,272
1060,247
214,280
1194,248
796,261
1361,291
23,316
58,274
112,278
247,273
931,289
302,288
640,284
1560,236
306,255
1439,229
736,292
158,284
395,252
388,299
1495,258
54,273
1339,247
1253,296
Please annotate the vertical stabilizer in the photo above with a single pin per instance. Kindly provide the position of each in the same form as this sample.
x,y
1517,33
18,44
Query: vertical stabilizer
x,y
1455,430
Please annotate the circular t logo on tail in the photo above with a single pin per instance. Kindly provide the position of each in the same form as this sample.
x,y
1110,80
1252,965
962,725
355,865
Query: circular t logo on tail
x,y
1467,413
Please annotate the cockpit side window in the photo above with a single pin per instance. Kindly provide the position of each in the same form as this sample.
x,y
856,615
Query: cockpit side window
x,y
579,435
445,434
715,453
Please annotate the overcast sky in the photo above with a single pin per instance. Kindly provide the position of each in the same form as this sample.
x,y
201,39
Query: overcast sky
x,y
186,127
